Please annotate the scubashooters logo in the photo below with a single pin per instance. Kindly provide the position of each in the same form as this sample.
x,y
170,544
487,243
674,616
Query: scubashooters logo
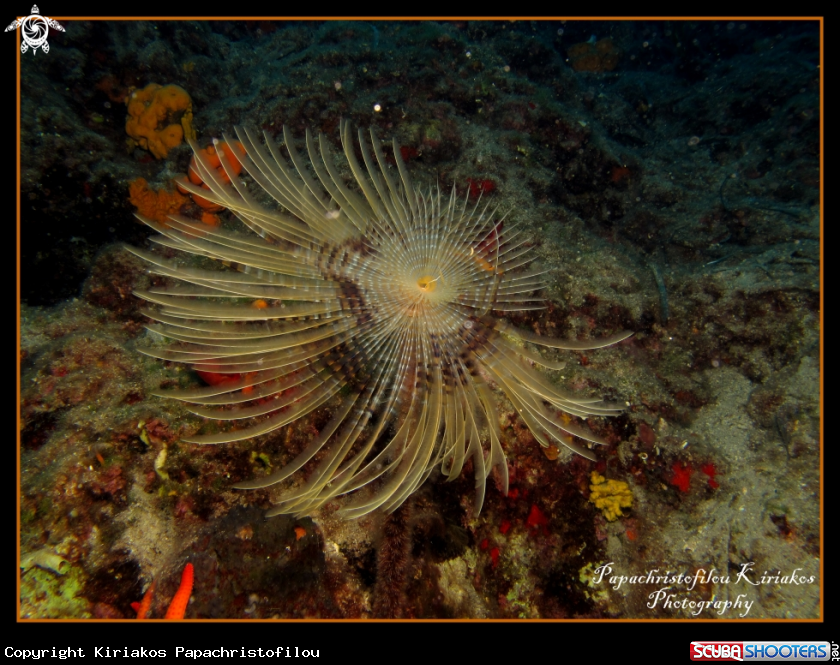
x,y
763,651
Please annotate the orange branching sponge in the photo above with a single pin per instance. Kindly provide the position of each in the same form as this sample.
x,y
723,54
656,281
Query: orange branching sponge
x,y
178,606
159,118
155,204
210,219
112,87
209,206
215,161
212,156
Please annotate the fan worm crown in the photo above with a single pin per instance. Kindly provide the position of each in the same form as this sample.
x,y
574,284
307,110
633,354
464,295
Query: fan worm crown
x,y
378,300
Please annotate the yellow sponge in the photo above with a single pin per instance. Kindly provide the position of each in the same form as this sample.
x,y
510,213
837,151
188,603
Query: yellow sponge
x,y
610,496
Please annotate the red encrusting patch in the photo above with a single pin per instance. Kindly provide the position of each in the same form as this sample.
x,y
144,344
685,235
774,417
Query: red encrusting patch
x,y
682,476
407,152
619,173
537,521
710,470
480,187
217,379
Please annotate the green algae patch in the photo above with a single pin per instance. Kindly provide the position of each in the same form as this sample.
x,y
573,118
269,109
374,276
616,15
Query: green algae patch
x,y
46,595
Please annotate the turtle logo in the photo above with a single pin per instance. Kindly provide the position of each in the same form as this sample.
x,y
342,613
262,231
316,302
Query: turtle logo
x,y
34,30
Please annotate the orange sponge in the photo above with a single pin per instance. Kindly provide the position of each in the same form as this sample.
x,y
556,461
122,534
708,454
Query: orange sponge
x,y
600,56
159,118
157,205
212,157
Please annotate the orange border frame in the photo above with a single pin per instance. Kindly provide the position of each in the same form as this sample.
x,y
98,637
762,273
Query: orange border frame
x,y
821,22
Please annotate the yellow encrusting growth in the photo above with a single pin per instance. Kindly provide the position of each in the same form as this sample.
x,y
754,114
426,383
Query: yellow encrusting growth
x,y
610,496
